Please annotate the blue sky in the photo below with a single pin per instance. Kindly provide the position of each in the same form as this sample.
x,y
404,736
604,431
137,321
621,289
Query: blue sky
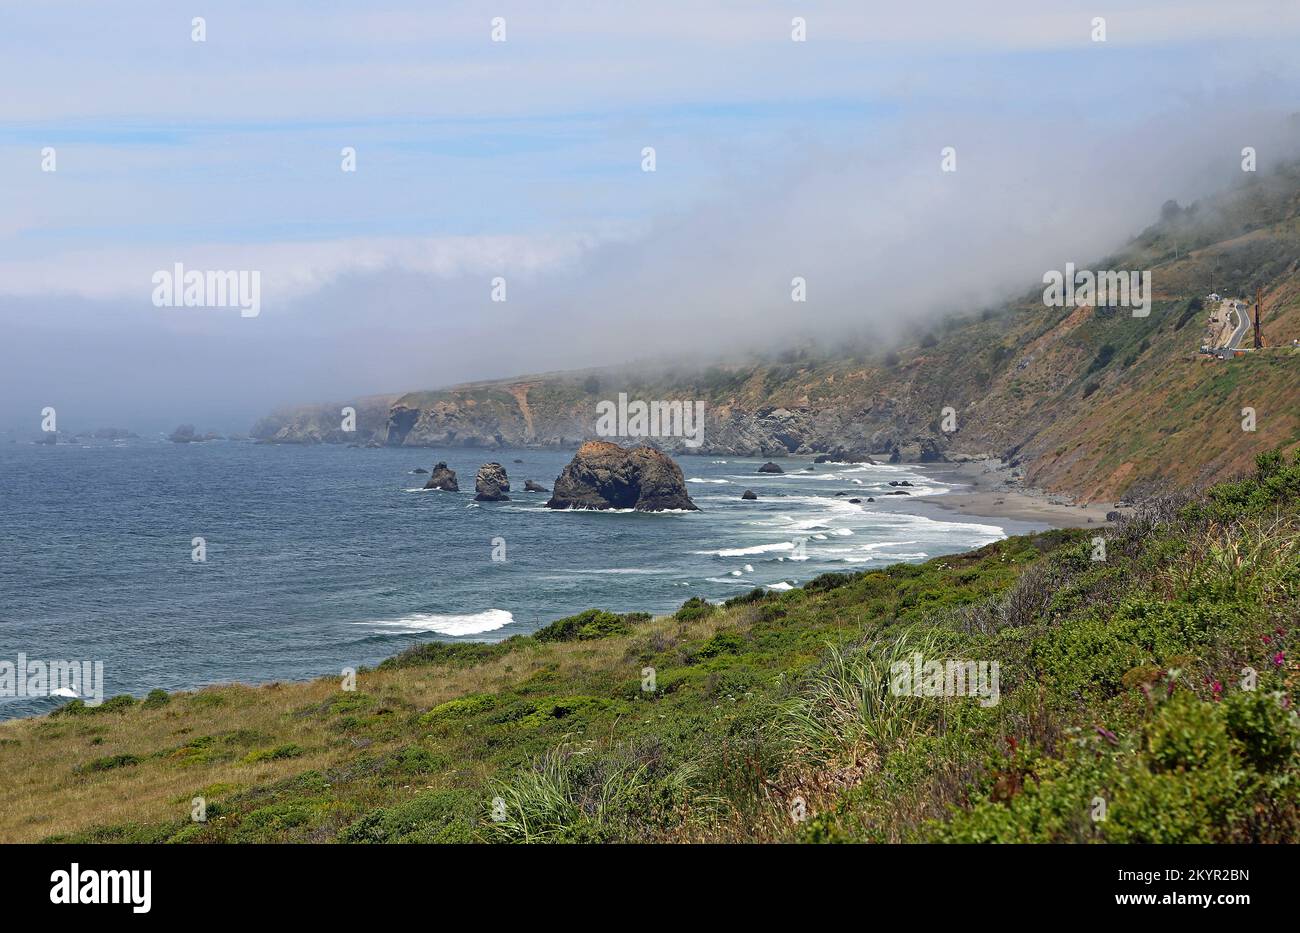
x,y
522,158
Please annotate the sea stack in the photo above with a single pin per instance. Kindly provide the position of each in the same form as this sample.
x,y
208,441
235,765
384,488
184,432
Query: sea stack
x,y
770,467
491,484
442,478
530,486
606,476
748,494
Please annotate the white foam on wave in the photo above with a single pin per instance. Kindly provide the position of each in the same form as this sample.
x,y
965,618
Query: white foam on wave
x,y
472,623
543,509
780,586
748,551
883,557
877,545
939,527
617,570
696,479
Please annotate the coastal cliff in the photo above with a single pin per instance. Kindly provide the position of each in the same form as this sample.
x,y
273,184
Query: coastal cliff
x,y
1089,401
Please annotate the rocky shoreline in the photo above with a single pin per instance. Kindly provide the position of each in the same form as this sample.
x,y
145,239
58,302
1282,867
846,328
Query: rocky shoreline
x,y
603,475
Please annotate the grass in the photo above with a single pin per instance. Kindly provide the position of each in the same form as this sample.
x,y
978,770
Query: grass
x,y
768,718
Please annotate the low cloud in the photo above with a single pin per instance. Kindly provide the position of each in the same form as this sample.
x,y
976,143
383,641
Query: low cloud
x,y
820,161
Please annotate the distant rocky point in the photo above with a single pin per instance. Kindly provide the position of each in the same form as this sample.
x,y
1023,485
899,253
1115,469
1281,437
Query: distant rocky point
x,y
327,423
606,476
185,434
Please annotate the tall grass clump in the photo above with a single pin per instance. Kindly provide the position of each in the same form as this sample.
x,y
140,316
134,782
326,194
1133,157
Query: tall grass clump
x,y
848,709
1257,558
578,794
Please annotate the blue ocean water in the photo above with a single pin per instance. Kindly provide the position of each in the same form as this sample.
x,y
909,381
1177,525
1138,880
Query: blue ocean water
x,y
320,558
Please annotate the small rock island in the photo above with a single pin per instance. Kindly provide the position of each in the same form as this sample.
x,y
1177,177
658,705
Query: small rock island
x,y
606,476
491,484
442,478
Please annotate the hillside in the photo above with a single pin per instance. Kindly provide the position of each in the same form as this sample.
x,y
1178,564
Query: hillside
x,y
1120,713
1092,402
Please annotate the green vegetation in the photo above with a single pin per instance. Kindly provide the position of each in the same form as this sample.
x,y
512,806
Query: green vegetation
x,y
1145,697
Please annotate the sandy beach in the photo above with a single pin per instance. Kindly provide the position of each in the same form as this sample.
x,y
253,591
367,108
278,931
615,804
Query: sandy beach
x,y
990,489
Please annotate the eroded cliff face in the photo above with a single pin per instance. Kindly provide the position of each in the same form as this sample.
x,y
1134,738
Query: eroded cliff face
x,y
560,413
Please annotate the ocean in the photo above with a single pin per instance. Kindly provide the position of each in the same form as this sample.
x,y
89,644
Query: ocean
x,y
320,558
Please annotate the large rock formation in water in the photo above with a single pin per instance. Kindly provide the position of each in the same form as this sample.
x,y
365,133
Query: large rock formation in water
x,y
606,476
442,478
491,484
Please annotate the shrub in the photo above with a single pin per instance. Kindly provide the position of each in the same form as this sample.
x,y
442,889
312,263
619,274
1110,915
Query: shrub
x,y
1090,652
458,654
1200,772
694,608
109,762
273,754
1102,359
585,626
459,708
828,581
417,760
719,644
116,704
445,816
1263,729
756,595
